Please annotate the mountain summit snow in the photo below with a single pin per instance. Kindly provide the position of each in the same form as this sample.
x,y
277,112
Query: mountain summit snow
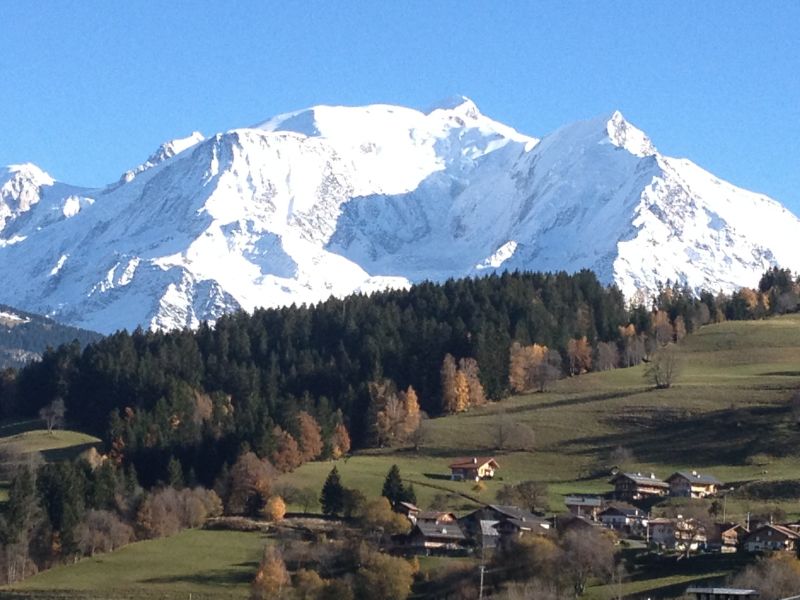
x,y
332,200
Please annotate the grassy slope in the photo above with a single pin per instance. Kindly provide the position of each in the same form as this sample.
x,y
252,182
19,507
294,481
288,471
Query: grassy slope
x,y
58,445
728,405
205,564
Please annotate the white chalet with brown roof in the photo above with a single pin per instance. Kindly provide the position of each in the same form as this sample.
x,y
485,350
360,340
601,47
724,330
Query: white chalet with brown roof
x,y
475,468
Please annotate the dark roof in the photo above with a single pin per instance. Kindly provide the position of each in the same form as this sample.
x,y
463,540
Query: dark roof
x,y
472,462
789,533
642,479
449,531
695,477
514,512
627,511
583,501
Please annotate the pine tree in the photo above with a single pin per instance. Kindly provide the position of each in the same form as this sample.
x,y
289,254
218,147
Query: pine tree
x,y
332,496
175,473
393,486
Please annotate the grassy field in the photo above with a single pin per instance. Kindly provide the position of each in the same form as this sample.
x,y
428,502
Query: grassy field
x,y
27,437
727,414
194,564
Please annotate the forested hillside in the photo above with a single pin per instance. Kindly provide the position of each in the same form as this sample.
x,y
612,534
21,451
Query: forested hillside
x,y
297,383
25,336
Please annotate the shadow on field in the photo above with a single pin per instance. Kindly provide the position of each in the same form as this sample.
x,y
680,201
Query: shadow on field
x,y
781,374
671,436
69,453
221,577
571,401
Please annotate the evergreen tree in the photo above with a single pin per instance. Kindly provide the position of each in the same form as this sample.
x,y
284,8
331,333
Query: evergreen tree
x,y
332,496
175,473
393,486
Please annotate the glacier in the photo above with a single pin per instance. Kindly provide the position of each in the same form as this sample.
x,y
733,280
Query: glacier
x,y
334,200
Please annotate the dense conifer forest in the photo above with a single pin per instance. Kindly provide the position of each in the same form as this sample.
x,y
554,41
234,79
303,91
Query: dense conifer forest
x,y
251,381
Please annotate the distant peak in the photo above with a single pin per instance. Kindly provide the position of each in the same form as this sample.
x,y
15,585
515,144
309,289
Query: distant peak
x,y
624,135
164,152
29,171
460,104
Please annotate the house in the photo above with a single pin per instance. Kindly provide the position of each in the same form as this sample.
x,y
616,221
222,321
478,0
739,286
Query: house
x,y
436,538
771,537
584,506
569,522
409,510
725,537
623,517
488,535
692,484
475,468
635,486
677,534
703,593
436,516
509,521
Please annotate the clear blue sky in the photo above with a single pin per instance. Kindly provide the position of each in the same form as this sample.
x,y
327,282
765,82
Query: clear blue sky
x,y
89,89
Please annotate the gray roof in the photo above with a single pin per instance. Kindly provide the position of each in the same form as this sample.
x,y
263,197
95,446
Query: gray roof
x,y
643,479
440,530
583,501
514,512
488,528
696,477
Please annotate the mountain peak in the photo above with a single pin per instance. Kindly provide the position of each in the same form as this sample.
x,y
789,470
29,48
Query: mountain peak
x,y
627,136
164,152
458,103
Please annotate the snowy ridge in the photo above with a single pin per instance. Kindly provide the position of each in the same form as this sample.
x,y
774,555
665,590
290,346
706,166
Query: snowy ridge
x,y
333,200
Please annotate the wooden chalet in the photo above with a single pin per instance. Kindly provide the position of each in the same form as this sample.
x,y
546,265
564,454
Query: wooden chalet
x,y
691,484
584,506
509,521
411,511
635,486
771,537
725,537
475,468
623,517
436,538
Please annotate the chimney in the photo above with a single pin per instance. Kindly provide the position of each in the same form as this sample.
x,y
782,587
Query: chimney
x,y
474,460
652,475
695,474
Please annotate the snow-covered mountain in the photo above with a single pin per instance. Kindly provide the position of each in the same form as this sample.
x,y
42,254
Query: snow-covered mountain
x,y
333,200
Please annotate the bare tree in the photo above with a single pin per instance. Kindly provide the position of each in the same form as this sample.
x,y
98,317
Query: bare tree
x,y
53,414
512,435
663,368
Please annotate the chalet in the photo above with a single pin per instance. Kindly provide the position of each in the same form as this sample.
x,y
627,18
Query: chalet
x,y
623,517
475,468
635,486
704,593
437,538
584,506
570,522
411,511
771,537
677,534
509,521
436,516
692,484
725,537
